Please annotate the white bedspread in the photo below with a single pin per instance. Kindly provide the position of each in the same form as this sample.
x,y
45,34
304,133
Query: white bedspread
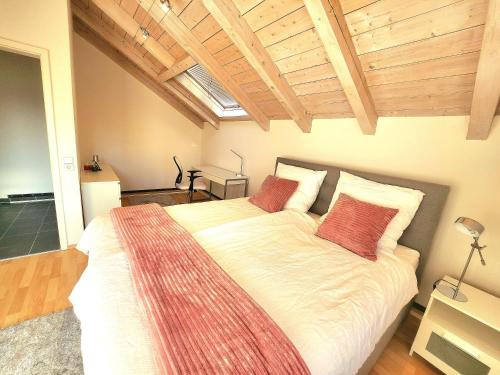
x,y
197,216
332,304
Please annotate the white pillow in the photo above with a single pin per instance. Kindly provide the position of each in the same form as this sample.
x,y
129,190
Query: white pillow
x,y
405,200
309,183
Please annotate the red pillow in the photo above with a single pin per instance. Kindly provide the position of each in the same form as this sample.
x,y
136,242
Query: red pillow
x,y
274,193
356,225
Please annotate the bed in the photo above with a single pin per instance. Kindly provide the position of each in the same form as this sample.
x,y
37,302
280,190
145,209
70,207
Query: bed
x,y
339,317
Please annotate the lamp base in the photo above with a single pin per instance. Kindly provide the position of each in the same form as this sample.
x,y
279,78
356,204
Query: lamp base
x,y
449,291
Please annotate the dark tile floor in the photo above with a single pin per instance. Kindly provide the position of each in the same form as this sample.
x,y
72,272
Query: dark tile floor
x,y
27,228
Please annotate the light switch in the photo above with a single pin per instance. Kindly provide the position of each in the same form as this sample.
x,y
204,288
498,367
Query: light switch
x,y
68,163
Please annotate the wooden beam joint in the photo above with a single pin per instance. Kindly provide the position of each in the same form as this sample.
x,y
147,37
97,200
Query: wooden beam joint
x,y
332,29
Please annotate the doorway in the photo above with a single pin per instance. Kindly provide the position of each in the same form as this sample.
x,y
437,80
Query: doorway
x,y
28,220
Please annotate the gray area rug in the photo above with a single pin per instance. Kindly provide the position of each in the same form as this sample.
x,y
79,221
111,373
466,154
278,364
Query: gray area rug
x,y
162,199
47,345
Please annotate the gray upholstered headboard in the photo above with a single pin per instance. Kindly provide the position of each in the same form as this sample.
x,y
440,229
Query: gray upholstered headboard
x,y
419,233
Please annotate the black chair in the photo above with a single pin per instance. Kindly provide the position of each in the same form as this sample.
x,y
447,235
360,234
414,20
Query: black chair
x,y
192,184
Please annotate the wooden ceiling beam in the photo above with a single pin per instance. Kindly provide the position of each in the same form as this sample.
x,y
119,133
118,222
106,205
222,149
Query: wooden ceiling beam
x,y
238,30
485,97
114,11
200,108
332,29
183,36
119,51
178,68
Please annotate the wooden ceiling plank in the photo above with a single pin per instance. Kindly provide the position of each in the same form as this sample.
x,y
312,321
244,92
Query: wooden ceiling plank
x,y
385,12
437,68
228,16
238,66
486,94
314,87
176,28
178,6
294,45
456,43
177,52
262,96
117,50
121,45
438,93
303,61
178,68
217,42
314,73
292,24
228,55
349,6
194,13
269,11
132,27
246,77
130,6
207,28
457,16
142,17
246,5
255,86
166,40
331,28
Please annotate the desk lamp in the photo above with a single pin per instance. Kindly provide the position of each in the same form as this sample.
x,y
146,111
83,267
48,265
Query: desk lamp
x,y
474,229
241,163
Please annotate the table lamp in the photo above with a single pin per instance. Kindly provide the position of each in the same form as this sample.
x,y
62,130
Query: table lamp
x,y
241,163
474,229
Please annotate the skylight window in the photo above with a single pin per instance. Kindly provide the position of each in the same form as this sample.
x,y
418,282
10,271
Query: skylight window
x,y
207,89
205,80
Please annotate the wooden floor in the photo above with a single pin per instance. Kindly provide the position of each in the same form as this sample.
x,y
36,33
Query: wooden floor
x,y
40,284
180,197
36,285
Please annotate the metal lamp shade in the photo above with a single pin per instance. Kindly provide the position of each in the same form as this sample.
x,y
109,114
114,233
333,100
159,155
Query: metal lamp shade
x,y
469,226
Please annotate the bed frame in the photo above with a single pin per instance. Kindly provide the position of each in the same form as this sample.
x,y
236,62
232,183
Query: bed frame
x,y
418,235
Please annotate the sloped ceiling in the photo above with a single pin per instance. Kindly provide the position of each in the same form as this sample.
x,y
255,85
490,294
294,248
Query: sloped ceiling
x,y
415,58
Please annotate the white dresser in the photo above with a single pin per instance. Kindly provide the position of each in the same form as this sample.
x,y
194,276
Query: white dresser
x,y
100,192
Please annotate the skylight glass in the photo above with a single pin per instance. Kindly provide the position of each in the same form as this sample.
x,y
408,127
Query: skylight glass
x,y
213,88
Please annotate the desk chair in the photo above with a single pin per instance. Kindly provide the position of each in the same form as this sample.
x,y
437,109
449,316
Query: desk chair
x,y
192,185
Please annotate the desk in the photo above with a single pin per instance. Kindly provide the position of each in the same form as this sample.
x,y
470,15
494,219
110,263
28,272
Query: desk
x,y
223,177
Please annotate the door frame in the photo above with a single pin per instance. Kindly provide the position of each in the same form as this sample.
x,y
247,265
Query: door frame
x,y
42,55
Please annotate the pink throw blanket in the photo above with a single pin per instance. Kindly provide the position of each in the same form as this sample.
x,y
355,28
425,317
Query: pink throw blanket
x,y
202,322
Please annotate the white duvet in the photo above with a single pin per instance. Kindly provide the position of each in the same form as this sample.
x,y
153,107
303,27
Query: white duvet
x,y
331,303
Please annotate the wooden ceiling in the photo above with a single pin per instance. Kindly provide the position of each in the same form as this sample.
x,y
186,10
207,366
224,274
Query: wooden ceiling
x,y
310,59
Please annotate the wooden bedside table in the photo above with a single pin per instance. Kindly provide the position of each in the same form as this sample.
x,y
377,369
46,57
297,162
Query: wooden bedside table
x,y
461,337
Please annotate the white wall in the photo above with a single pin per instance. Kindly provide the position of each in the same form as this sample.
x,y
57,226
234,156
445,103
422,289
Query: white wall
x,y
427,149
24,149
46,24
128,125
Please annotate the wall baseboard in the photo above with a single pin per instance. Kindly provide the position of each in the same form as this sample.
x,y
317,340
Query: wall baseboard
x,y
32,197
147,190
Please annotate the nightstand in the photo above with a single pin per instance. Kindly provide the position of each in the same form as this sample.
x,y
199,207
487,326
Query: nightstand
x,y
461,337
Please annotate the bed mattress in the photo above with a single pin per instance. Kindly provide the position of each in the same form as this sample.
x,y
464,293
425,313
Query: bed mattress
x,y
333,305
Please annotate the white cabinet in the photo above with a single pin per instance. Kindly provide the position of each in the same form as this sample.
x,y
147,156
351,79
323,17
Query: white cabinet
x,y
100,192
461,337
